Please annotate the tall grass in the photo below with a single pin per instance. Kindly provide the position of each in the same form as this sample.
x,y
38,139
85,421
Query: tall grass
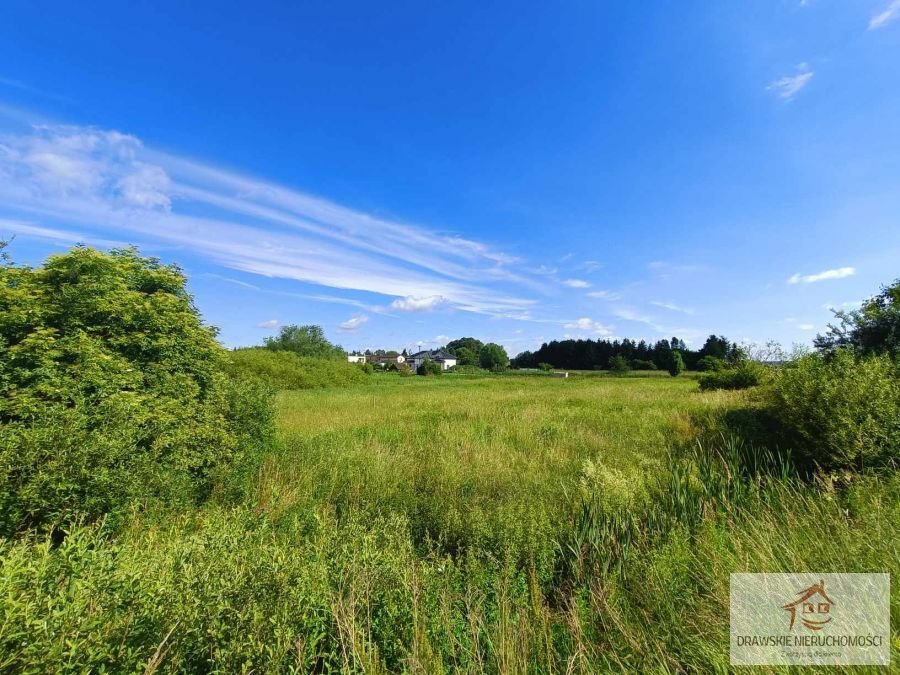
x,y
504,525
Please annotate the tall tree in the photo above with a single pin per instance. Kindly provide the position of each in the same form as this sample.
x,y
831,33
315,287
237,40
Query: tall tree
x,y
492,356
305,341
872,329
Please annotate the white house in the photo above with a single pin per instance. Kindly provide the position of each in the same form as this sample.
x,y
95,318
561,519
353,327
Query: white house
x,y
356,358
445,359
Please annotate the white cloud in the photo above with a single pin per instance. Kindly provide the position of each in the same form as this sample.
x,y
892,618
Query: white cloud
x,y
107,183
414,304
837,273
588,325
576,283
270,323
888,15
672,307
604,295
353,324
788,86
629,314
806,326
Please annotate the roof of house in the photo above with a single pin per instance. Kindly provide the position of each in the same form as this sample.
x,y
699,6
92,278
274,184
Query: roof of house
x,y
434,355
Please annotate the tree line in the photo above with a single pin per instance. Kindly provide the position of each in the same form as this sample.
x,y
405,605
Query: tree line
x,y
640,355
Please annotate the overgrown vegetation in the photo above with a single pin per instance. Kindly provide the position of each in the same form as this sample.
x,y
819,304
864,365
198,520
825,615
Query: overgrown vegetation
x,y
840,411
112,392
444,524
284,369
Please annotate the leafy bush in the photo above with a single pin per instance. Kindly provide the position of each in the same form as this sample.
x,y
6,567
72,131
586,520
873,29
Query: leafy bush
x,y
842,411
742,376
468,370
429,367
710,363
111,391
546,367
676,363
618,365
283,369
641,364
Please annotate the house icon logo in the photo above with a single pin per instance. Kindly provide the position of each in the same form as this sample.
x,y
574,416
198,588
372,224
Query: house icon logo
x,y
812,605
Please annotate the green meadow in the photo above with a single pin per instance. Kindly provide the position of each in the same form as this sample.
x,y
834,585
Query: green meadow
x,y
450,524
167,505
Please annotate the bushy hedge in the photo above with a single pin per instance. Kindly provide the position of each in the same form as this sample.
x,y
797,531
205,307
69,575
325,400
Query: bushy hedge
x,y
429,367
286,370
840,410
111,391
707,363
742,376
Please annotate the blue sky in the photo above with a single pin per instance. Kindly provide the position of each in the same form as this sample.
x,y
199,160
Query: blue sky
x,y
407,173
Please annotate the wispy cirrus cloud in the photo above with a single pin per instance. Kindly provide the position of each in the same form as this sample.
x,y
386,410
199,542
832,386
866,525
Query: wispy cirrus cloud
x,y
888,15
790,85
672,307
824,275
629,314
604,295
93,183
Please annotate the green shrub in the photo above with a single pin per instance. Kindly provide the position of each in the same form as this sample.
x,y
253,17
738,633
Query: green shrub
x,y
710,363
468,370
618,365
111,391
546,367
429,367
640,364
283,369
742,376
676,363
840,411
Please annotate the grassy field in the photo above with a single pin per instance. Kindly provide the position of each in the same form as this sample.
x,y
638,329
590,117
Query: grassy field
x,y
451,524
478,460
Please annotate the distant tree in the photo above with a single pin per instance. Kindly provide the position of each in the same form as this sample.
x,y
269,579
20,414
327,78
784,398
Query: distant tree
x,y
872,329
524,360
618,365
643,364
466,356
470,343
676,363
545,366
493,357
716,346
305,341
